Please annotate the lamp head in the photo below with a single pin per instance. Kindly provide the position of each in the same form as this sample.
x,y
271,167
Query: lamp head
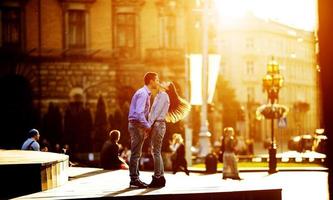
x,y
267,81
273,67
277,80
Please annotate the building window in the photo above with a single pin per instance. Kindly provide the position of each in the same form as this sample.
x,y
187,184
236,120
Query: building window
x,y
76,37
10,27
168,31
249,43
250,94
249,67
171,31
125,35
125,30
223,68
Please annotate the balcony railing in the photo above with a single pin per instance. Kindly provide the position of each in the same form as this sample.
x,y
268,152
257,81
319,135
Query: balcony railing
x,y
164,56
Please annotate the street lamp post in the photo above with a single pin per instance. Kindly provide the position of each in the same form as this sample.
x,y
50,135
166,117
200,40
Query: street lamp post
x,y
204,69
204,133
272,83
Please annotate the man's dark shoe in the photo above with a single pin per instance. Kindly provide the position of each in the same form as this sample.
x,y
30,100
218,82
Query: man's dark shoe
x,y
237,178
137,184
157,182
232,177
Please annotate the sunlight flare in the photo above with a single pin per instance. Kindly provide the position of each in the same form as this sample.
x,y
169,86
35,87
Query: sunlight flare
x,y
300,14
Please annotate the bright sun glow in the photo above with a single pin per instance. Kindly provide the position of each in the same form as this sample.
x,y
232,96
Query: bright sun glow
x,y
297,13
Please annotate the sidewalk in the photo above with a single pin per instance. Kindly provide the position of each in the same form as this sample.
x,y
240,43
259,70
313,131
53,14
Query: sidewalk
x,y
97,183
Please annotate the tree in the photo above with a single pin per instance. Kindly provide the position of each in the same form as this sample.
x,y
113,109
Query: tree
x,y
101,124
78,127
231,107
18,114
124,94
300,109
52,125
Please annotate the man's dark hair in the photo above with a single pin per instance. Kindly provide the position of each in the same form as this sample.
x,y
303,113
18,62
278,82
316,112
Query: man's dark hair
x,y
33,132
149,76
114,135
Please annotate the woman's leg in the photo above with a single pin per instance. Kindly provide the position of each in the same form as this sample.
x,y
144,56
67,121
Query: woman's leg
x,y
175,167
227,165
156,144
185,168
234,168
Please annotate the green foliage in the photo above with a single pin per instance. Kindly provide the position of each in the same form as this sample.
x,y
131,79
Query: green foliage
x,y
52,124
301,106
226,96
78,127
18,114
101,116
101,124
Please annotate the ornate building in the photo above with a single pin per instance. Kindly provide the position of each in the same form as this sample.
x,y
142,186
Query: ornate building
x,y
247,45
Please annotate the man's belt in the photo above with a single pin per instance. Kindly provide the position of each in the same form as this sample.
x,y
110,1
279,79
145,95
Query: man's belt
x,y
134,121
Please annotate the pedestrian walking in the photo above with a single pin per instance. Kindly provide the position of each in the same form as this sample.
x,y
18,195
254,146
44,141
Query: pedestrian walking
x,y
178,154
230,169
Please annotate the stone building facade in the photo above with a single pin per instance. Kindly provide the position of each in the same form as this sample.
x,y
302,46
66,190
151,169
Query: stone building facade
x,y
65,48
92,46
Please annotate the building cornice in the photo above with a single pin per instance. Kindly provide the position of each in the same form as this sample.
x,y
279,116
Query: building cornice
x,y
77,1
125,3
12,3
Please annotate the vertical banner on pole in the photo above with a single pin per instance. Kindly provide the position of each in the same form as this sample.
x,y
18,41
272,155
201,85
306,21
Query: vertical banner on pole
x,y
213,71
196,77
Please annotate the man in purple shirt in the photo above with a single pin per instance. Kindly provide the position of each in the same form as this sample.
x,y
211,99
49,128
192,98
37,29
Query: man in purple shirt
x,y
138,125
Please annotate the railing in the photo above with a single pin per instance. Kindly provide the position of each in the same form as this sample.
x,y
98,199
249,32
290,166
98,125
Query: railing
x,y
164,56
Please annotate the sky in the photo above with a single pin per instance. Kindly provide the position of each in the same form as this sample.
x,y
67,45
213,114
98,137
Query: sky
x,y
300,14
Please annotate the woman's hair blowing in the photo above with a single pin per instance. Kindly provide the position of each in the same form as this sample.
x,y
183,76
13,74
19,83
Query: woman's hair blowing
x,y
178,108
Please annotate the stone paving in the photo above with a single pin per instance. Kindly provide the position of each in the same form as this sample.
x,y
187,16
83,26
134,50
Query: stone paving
x,y
93,182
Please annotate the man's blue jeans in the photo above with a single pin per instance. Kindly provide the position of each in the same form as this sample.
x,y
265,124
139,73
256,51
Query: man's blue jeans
x,y
137,139
158,132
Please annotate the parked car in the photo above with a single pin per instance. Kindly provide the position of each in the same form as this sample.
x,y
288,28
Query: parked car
x,y
320,144
301,143
294,143
307,142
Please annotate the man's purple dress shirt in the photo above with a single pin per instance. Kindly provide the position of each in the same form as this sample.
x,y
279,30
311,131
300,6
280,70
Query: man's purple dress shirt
x,y
140,105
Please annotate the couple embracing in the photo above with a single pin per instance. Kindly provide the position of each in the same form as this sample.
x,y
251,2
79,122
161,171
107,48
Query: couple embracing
x,y
145,121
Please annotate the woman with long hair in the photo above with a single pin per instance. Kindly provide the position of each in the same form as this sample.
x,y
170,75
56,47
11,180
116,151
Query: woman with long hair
x,y
178,108
178,154
168,106
230,169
